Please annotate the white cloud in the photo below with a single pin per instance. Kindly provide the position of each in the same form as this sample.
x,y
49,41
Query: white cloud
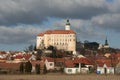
x,y
107,21
85,16
83,28
36,11
114,6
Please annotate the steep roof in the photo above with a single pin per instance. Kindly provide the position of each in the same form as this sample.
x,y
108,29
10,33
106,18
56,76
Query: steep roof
x,y
40,34
101,62
83,60
59,32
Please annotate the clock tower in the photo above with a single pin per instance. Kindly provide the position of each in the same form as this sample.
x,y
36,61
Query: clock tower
x,y
67,26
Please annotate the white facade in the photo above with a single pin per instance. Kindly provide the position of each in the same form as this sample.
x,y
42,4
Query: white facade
x,y
67,26
105,70
71,70
76,70
49,65
61,39
39,42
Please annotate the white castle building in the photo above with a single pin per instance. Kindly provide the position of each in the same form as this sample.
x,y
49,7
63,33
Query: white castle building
x,y
61,39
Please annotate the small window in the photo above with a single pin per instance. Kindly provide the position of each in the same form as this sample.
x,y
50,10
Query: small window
x,y
51,64
69,70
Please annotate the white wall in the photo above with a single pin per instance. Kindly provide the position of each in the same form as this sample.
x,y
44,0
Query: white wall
x,y
110,70
61,41
75,70
71,70
39,41
49,65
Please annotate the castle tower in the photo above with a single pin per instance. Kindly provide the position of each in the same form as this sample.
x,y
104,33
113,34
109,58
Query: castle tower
x,y
67,26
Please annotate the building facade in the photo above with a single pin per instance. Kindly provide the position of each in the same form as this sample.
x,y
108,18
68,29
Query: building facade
x,y
61,39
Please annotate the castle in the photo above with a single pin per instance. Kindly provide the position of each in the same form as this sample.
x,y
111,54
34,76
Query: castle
x,y
61,39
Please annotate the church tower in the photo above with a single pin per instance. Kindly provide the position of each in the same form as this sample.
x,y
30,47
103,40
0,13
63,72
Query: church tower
x,y
67,26
106,45
106,41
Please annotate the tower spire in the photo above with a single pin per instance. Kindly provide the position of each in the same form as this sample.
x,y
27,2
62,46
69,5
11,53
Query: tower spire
x,y
67,26
68,23
106,41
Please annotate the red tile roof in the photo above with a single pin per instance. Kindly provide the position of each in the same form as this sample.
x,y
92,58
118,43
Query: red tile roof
x,y
57,32
53,59
9,65
118,54
48,59
2,60
83,60
48,32
27,56
69,63
18,57
59,59
40,34
2,52
101,62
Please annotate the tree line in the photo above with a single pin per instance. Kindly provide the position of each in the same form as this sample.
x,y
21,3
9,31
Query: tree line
x,y
26,67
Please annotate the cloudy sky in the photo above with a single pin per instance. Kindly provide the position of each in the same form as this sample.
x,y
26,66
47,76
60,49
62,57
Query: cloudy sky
x,y
92,20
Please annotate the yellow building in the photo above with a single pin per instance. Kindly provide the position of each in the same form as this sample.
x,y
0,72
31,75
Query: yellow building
x,y
61,39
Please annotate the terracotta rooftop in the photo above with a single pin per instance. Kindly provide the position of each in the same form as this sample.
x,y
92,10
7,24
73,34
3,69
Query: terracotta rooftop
x,y
69,63
60,32
18,57
9,65
101,64
40,34
57,32
83,60
27,56
2,52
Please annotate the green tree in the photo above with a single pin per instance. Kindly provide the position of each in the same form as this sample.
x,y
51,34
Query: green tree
x,y
29,48
22,67
44,70
38,55
53,49
37,68
28,67
35,48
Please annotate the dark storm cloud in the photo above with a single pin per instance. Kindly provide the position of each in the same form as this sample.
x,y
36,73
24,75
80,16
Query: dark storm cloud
x,y
107,22
18,35
99,13
35,11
